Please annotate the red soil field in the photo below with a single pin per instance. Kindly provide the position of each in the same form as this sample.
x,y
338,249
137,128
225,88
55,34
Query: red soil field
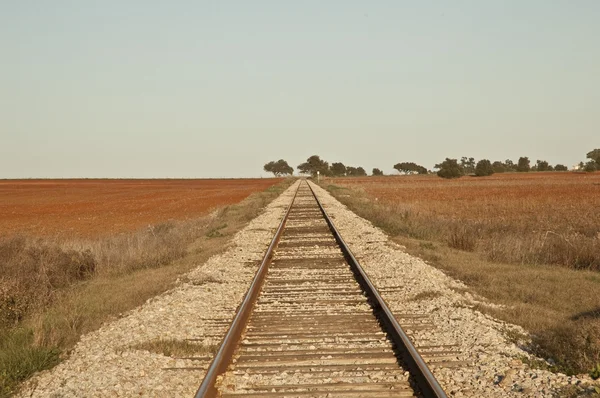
x,y
565,201
92,208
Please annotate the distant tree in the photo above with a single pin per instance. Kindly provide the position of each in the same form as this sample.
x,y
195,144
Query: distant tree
x,y
449,168
270,167
468,165
523,165
279,168
590,166
314,164
550,168
561,167
484,168
410,168
509,165
355,171
595,156
498,167
338,169
542,165
377,172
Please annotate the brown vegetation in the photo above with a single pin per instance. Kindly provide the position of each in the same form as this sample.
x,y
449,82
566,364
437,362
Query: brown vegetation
x,y
35,269
92,208
177,348
530,242
533,218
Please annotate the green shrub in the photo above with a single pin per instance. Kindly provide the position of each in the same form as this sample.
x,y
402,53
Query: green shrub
x,y
595,372
449,168
20,358
523,164
561,167
590,166
484,168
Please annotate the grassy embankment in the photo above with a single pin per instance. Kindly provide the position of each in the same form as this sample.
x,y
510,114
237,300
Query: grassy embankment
x,y
537,254
52,292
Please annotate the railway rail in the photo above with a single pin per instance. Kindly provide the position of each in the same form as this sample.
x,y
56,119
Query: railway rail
x,y
313,325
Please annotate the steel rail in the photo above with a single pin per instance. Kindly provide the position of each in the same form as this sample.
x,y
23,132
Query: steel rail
x,y
425,380
224,355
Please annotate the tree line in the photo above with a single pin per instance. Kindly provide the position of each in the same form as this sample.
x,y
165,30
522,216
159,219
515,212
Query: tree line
x,y
452,168
449,168
315,165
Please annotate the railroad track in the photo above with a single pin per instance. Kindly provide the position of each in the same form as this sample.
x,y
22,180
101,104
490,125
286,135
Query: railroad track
x,y
313,325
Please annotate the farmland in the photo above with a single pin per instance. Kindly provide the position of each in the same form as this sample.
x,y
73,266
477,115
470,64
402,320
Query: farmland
x,y
542,201
77,253
93,208
555,217
527,241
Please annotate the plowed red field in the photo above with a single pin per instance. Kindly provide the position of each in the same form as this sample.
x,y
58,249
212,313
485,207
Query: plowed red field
x,y
90,208
548,201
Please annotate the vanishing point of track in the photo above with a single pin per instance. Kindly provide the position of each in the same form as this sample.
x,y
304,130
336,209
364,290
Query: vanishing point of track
x,y
313,325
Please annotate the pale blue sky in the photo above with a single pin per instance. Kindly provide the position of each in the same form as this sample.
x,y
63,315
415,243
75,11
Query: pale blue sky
x,y
218,88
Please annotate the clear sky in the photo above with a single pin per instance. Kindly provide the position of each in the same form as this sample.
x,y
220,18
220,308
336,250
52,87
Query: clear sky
x,y
218,88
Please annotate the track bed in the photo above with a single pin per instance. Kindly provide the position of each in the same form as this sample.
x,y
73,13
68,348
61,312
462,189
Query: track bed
x,y
312,331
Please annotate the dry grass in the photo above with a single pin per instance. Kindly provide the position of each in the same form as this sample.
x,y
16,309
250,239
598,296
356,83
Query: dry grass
x,y
525,218
176,348
579,391
34,270
53,291
203,279
462,238
558,305
427,295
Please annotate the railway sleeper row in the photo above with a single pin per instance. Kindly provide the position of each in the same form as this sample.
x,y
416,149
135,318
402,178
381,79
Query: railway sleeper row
x,y
312,330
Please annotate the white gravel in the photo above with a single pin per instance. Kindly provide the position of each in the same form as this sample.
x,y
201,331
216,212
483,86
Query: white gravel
x,y
484,362
342,356
103,364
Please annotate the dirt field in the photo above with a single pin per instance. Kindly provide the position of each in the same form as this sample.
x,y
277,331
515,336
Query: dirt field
x,y
543,201
93,208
